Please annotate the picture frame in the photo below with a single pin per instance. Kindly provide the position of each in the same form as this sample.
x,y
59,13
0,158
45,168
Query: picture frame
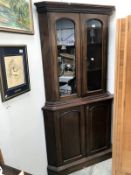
x,y
14,71
16,16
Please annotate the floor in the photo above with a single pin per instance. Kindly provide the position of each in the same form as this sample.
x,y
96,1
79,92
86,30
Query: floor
x,y
103,168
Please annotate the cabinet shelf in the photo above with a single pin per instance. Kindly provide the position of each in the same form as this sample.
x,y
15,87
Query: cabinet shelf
x,y
60,45
95,43
93,70
67,55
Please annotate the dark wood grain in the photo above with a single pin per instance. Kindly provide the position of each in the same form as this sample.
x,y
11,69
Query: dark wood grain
x,y
74,133
71,133
98,119
1,158
77,126
72,7
80,164
51,137
49,52
53,106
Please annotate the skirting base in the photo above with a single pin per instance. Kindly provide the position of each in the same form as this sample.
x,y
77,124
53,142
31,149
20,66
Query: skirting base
x,y
80,164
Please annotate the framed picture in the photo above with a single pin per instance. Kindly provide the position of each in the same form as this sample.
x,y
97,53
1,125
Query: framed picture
x,y
16,16
14,72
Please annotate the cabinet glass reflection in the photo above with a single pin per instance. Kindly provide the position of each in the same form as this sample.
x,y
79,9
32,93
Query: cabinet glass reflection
x,y
94,54
66,57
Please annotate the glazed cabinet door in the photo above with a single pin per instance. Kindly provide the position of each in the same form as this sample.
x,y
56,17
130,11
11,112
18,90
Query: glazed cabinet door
x,y
98,126
71,133
65,49
94,53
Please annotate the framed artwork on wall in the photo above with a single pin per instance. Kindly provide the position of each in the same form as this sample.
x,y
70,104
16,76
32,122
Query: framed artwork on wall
x,y
16,16
14,72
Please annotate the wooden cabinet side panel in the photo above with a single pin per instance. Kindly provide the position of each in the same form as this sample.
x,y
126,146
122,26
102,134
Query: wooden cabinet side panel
x,y
126,144
47,58
50,133
119,98
122,123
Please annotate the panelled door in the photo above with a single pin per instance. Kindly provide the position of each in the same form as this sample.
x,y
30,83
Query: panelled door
x,y
98,122
71,133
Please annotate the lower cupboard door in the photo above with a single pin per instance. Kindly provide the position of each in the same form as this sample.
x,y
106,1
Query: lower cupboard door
x,y
71,122
98,126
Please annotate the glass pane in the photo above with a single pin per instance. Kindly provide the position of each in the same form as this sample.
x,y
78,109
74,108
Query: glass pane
x,y
94,55
66,57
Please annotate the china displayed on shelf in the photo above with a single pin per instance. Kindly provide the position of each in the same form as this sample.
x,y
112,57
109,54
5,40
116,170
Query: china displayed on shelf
x,y
66,56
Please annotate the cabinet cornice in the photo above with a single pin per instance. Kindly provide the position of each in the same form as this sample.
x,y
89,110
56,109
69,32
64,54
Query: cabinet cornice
x,y
73,8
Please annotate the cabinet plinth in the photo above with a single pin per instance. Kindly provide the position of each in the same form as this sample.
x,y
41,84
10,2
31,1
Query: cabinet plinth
x,y
77,113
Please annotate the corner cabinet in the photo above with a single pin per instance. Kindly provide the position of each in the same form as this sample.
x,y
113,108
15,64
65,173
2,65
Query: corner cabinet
x,y
77,113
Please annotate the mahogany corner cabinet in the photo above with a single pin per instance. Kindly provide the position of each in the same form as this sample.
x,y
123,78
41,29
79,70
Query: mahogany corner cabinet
x,y
77,112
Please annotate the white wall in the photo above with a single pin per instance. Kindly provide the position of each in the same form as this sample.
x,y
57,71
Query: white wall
x,y
123,8
22,137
